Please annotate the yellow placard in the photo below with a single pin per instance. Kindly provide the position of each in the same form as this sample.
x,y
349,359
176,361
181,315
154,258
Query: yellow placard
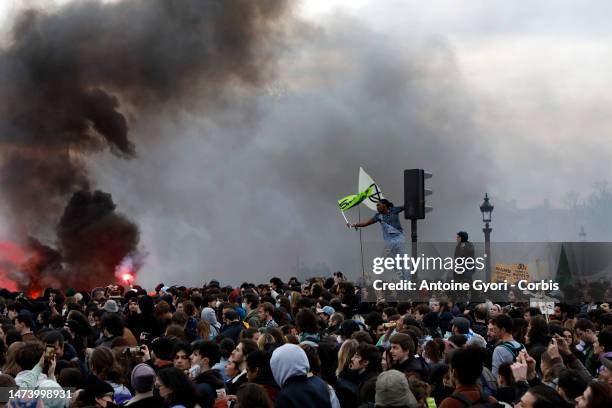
x,y
520,272
510,273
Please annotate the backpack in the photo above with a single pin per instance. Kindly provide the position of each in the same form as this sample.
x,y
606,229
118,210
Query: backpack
x,y
512,349
487,390
481,402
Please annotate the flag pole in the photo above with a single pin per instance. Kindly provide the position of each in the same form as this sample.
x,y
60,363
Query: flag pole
x,y
361,248
342,212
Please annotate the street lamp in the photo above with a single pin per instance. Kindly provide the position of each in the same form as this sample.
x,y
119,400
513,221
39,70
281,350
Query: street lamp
x,y
486,209
582,234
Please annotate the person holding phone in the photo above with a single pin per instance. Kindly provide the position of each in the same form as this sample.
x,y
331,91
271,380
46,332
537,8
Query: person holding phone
x,y
33,358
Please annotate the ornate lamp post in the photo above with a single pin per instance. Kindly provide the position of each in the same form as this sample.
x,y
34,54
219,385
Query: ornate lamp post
x,y
582,234
486,209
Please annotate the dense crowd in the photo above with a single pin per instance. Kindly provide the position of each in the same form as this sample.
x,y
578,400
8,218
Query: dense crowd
x,y
311,344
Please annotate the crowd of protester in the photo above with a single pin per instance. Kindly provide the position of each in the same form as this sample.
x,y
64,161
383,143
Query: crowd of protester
x,y
311,344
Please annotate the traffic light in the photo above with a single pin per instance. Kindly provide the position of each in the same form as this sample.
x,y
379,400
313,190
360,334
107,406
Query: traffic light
x,y
415,193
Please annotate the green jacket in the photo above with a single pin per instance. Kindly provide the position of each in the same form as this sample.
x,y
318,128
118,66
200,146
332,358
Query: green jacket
x,y
253,319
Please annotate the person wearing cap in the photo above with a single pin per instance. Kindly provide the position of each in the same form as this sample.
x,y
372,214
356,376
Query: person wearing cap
x,y
290,367
111,306
392,390
325,313
143,379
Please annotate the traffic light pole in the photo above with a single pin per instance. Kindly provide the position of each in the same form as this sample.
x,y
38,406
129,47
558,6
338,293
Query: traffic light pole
x,y
415,206
413,230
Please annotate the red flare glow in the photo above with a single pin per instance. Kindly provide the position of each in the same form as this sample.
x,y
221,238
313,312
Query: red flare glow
x,y
12,257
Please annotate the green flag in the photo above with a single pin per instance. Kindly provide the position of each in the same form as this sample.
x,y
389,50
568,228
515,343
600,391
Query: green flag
x,y
352,200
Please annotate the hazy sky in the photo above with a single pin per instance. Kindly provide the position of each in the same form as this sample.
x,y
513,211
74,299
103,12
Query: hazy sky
x,y
506,97
539,70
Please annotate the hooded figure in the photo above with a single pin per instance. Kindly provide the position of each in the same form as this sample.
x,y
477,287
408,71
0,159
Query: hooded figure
x,y
464,249
290,368
392,390
209,315
145,320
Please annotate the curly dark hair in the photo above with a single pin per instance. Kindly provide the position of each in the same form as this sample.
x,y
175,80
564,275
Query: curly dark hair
x,y
183,390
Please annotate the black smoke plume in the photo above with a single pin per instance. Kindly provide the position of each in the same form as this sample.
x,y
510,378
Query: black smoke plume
x,y
73,79
93,239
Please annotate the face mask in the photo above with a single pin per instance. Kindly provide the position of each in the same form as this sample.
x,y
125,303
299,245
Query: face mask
x,y
194,371
244,305
278,305
290,298
217,304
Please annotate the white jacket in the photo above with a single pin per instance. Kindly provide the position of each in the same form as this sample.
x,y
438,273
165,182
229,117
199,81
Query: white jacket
x,y
35,379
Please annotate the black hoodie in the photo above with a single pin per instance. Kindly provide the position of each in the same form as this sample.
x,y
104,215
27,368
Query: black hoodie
x,y
207,384
349,386
416,365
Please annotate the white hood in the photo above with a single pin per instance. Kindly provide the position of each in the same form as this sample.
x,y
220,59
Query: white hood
x,y
288,361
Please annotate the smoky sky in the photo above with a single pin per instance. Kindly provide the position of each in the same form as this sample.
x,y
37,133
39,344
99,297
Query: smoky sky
x,y
262,193
250,191
74,78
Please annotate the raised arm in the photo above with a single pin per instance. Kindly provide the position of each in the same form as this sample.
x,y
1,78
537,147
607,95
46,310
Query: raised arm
x,y
362,224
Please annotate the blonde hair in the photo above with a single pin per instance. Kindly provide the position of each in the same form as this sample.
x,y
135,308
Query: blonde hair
x,y
295,298
570,324
264,340
345,354
204,330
